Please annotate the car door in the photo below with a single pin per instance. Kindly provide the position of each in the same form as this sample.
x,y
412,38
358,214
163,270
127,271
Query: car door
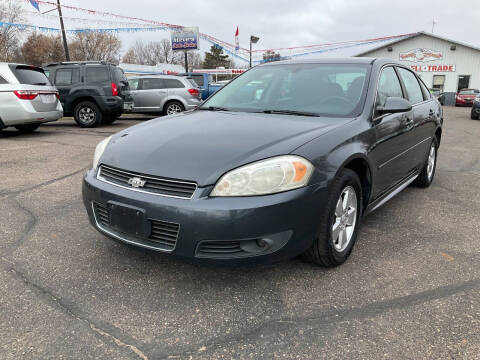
x,y
425,110
392,132
150,95
65,79
176,89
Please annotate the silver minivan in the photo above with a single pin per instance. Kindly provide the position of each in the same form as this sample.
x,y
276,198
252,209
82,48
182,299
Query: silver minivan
x,y
27,98
165,94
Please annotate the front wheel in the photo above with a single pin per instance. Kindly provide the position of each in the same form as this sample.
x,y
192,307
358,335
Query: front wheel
x,y
473,116
339,222
173,107
28,128
425,177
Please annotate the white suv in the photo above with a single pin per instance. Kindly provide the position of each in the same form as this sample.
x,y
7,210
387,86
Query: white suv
x,y
27,98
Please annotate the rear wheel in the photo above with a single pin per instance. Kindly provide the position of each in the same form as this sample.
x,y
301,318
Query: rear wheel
x,y
428,172
473,116
173,107
87,114
339,222
28,128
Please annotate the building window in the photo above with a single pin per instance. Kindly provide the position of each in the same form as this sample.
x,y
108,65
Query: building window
x,y
438,82
463,82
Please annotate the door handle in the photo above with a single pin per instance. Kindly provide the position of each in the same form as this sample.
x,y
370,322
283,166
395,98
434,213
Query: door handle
x,y
409,120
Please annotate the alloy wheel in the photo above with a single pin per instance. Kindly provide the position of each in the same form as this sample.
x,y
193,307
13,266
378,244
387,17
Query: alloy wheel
x,y
345,219
431,161
173,109
86,115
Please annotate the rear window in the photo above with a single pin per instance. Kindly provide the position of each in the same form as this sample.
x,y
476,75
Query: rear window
x,y
97,74
192,82
198,79
29,75
173,83
469,92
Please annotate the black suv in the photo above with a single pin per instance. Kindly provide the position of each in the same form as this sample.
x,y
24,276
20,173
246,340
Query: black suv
x,y
93,92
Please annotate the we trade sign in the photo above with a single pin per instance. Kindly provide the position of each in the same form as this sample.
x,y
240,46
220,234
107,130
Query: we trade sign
x,y
434,68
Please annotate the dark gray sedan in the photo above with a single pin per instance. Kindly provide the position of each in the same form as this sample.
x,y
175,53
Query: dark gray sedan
x,y
282,161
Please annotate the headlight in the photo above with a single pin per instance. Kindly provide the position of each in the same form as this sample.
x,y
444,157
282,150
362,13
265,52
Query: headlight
x,y
102,145
268,176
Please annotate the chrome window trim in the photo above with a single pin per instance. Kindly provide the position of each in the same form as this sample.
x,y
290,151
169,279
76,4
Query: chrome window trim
x,y
101,178
131,242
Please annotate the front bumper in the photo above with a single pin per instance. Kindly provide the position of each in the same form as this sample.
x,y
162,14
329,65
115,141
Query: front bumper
x,y
217,229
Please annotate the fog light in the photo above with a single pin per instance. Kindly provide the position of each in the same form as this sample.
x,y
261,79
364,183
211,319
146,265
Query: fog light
x,y
263,243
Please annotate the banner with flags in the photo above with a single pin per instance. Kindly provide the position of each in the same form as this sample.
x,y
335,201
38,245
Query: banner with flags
x,y
237,43
35,4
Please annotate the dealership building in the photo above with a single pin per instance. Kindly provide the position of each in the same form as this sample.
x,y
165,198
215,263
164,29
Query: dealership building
x,y
443,64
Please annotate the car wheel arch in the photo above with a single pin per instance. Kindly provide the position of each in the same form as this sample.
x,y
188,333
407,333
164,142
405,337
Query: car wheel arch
x,y
360,164
173,99
438,135
78,100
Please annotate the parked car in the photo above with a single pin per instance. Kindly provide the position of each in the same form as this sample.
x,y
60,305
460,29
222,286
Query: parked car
x,y
204,82
441,98
27,99
93,92
475,114
465,97
248,178
166,94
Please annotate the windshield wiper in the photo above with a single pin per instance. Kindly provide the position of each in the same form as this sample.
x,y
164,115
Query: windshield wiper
x,y
291,112
214,108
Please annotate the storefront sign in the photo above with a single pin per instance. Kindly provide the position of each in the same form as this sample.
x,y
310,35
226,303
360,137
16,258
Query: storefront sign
x,y
420,55
185,38
434,68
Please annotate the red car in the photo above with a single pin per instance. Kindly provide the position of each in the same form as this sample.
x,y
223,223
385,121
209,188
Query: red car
x,y
465,97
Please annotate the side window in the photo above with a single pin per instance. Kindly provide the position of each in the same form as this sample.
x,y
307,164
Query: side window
x,y
152,84
173,84
96,74
414,92
388,86
426,92
67,76
3,81
133,84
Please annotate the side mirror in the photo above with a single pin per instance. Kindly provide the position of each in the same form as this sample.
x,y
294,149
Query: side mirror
x,y
394,105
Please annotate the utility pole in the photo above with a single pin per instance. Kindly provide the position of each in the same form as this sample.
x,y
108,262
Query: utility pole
x,y
433,24
186,62
65,45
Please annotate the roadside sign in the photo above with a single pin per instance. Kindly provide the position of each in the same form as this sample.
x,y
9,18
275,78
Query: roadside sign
x,y
185,38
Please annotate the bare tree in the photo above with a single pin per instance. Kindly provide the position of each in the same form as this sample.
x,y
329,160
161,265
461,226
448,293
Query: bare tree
x,y
153,53
41,49
130,57
12,12
95,46
195,60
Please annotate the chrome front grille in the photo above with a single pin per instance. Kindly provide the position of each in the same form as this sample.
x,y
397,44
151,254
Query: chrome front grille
x,y
163,234
150,184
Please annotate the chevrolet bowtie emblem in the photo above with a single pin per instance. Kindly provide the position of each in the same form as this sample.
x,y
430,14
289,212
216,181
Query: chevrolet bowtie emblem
x,y
136,182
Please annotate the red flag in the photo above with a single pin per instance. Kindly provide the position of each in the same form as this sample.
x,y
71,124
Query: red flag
x,y
237,44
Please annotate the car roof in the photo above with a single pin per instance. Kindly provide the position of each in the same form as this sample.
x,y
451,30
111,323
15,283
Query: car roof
x,y
158,77
343,60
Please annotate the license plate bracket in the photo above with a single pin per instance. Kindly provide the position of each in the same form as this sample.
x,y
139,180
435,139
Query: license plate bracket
x,y
128,219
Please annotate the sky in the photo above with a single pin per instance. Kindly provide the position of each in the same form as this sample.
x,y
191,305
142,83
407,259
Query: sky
x,y
283,23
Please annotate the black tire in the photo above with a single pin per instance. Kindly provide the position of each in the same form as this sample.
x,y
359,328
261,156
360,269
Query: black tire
x,y
110,119
173,104
473,116
87,114
323,251
424,179
27,128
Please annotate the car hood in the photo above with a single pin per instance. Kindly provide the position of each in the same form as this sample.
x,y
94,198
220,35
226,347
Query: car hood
x,y
467,97
202,145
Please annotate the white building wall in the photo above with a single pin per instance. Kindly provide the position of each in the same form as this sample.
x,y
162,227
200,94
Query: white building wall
x,y
465,59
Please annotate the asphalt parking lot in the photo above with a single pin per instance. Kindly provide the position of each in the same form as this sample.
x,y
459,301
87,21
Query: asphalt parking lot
x,y
411,289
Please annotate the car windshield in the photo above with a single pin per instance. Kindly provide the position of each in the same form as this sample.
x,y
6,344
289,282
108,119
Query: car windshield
x,y
469,92
296,89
